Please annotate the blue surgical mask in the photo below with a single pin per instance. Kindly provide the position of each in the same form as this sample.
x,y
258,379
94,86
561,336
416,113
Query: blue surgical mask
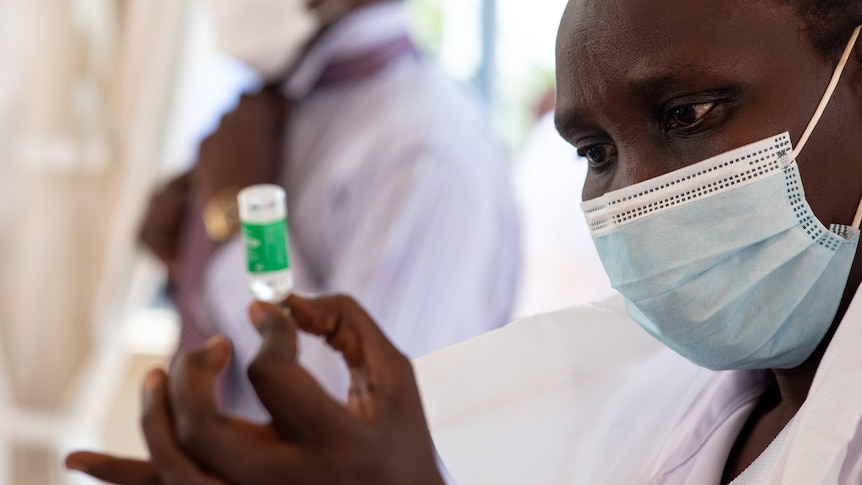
x,y
724,261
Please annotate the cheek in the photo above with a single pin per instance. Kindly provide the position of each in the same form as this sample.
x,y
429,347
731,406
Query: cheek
x,y
594,186
831,178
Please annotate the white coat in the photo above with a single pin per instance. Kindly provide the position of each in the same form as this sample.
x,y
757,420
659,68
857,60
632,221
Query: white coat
x,y
584,396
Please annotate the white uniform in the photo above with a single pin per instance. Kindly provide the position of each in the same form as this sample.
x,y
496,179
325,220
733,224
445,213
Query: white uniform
x,y
584,396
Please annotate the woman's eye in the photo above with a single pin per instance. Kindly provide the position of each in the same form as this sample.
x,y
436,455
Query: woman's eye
x,y
687,115
598,154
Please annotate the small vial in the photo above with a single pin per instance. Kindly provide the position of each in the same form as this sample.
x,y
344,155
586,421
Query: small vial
x,y
263,215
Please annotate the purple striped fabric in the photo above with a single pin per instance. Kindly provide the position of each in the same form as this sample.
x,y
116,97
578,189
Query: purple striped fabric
x,y
364,64
194,253
195,250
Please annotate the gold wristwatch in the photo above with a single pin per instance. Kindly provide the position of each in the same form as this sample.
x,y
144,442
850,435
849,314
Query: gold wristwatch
x,y
221,215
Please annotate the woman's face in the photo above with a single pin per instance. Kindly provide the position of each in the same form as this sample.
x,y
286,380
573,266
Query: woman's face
x,y
648,86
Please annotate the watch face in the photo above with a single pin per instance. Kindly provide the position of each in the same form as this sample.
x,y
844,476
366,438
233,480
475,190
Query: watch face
x,y
221,217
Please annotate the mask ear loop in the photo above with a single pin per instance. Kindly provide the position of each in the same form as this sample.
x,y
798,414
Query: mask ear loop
x,y
833,83
858,219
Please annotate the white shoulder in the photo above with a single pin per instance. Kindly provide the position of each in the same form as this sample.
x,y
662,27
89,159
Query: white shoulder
x,y
551,399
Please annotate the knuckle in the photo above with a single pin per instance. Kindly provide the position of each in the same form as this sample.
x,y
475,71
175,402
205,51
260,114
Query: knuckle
x,y
260,369
257,369
191,361
191,433
344,301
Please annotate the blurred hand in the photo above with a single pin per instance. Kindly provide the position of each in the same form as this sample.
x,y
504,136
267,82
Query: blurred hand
x,y
168,465
246,147
163,222
379,438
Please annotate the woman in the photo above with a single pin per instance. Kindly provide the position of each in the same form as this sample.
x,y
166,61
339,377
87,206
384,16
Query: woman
x,y
695,205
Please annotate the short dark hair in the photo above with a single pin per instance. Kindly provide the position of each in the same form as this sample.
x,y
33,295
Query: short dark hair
x,y
829,23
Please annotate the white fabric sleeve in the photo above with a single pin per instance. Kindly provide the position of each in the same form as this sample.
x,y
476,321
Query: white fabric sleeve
x,y
579,396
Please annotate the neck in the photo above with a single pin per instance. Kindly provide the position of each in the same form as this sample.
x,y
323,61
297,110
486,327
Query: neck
x,y
794,384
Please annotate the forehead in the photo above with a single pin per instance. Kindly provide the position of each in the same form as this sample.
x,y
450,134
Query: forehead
x,y
626,29
603,42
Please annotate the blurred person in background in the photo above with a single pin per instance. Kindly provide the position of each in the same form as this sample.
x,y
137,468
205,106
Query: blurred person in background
x,y
398,193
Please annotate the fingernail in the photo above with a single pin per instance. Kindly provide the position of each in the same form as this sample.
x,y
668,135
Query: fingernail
x,y
218,350
266,315
74,462
216,342
257,312
284,306
151,380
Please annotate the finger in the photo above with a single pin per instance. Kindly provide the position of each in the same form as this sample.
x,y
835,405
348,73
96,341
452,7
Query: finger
x,y
384,388
301,410
233,449
192,388
381,376
168,459
347,328
113,470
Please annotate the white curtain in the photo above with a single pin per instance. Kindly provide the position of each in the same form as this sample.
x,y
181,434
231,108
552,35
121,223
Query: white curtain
x,y
80,143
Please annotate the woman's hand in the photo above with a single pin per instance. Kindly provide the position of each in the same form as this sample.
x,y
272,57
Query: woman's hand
x,y
168,465
379,437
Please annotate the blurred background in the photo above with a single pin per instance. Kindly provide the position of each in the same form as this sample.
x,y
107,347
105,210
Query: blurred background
x,y
102,100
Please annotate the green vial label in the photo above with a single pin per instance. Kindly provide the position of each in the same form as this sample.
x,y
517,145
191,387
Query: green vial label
x,y
266,246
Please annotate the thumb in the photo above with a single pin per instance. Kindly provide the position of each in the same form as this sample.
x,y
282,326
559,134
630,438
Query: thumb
x,y
300,408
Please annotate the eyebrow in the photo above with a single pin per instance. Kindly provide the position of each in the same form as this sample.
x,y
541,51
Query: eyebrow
x,y
568,120
652,83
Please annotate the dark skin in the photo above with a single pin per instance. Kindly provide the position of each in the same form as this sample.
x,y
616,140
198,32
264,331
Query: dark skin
x,y
244,150
644,87
163,222
647,87
378,437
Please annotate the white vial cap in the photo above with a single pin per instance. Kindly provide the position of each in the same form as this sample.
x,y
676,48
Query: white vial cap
x,y
262,204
